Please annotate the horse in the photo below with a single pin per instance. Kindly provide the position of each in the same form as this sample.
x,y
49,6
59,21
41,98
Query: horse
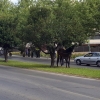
x,y
65,54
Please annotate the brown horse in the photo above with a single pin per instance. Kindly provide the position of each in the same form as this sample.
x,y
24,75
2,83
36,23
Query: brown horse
x,y
64,54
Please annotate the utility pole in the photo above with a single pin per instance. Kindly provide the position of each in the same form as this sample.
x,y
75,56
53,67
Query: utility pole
x,y
89,45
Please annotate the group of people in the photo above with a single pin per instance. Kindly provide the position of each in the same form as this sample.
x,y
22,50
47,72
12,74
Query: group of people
x,y
31,53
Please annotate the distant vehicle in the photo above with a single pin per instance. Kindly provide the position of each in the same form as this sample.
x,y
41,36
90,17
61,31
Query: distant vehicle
x,y
1,51
9,51
92,58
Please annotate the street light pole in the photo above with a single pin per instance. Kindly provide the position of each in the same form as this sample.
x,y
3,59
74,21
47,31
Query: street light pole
x,y
89,45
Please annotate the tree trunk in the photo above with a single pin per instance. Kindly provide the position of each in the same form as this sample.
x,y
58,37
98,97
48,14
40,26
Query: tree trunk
x,y
6,54
52,59
51,51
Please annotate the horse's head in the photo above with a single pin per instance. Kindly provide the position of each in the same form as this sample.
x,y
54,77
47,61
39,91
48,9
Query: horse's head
x,y
70,49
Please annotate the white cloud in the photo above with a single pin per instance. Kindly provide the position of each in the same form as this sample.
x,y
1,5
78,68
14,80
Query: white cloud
x,y
14,1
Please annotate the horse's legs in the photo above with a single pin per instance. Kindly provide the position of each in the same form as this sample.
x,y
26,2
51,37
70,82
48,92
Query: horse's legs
x,y
57,60
69,62
61,60
66,60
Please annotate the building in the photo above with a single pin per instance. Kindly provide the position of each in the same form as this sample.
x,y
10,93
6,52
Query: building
x,y
92,45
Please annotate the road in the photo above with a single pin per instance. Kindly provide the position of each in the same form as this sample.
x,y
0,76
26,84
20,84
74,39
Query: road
x,y
47,61
24,84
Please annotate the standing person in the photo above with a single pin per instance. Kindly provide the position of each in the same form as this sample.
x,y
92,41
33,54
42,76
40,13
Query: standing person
x,y
28,52
37,51
32,47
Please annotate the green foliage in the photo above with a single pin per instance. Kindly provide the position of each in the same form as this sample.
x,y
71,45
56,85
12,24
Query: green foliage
x,y
61,21
8,23
48,21
37,26
22,12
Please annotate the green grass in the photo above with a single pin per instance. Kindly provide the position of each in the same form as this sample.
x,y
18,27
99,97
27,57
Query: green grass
x,y
83,72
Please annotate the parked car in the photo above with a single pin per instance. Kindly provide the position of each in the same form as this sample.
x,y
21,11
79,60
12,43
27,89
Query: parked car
x,y
92,58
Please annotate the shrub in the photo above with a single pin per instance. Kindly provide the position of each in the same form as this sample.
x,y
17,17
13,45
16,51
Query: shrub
x,y
15,53
76,54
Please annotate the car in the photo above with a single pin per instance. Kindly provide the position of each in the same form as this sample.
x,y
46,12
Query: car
x,y
91,58
1,51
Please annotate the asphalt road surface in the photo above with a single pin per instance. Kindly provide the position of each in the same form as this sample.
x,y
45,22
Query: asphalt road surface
x,y
24,84
47,61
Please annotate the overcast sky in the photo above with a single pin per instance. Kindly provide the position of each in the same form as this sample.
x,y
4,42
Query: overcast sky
x,y
14,1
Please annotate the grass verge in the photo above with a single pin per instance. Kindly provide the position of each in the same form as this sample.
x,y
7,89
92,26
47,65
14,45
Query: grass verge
x,y
83,72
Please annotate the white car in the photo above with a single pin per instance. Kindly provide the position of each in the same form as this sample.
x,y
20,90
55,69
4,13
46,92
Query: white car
x,y
92,58
1,51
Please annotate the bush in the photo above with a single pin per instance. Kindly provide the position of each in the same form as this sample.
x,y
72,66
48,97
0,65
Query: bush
x,y
44,55
15,53
76,54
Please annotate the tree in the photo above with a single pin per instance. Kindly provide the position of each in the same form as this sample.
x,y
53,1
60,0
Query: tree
x,y
22,12
64,21
38,29
87,12
94,6
53,21
8,37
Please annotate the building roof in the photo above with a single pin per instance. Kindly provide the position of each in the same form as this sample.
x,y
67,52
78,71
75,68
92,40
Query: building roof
x,y
96,41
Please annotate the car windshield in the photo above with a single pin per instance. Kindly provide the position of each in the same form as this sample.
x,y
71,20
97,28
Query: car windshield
x,y
88,55
95,54
98,54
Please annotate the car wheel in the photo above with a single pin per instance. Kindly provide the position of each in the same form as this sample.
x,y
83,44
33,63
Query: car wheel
x,y
87,64
98,63
78,62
